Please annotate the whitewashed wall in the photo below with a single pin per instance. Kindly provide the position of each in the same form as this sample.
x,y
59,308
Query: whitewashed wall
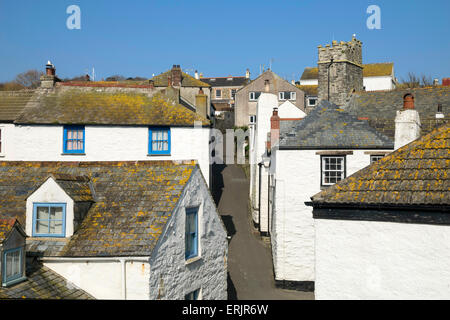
x,y
381,260
266,103
311,82
103,280
378,83
105,143
297,175
171,277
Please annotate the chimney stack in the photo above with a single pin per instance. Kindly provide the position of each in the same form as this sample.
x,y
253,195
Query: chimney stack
x,y
151,83
196,75
446,82
435,82
274,128
247,73
49,78
176,75
407,123
50,69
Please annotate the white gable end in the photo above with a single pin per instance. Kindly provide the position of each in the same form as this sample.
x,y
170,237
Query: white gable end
x,y
50,192
288,110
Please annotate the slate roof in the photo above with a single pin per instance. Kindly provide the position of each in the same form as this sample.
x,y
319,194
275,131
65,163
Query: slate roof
x,y
226,81
6,225
369,70
43,283
134,200
380,107
417,174
162,80
12,103
329,127
76,187
107,108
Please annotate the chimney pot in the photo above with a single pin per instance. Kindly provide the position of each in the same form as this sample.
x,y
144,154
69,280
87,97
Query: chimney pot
x,y
266,86
408,101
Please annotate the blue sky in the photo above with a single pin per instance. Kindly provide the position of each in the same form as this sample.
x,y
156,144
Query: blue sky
x,y
219,38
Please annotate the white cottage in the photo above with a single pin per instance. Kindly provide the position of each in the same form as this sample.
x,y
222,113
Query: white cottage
x,y
313,154
258,155
91,122
114,230
384,233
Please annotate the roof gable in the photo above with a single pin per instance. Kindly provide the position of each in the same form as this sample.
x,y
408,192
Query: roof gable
x,y
329,127
417,174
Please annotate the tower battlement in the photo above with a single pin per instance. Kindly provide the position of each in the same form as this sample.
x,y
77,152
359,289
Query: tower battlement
x,y
341,51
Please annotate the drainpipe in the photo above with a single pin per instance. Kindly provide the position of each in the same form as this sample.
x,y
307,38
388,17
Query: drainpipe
x,y
259,196
123,264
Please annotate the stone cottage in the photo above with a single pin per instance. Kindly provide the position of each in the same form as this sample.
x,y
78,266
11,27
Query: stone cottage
x,y
268,82
111,230
384,232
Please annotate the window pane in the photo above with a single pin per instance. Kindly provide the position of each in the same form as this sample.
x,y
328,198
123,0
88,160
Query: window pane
x,y
56,213
165,146
165,135
55,227
9,265
42,213
42,226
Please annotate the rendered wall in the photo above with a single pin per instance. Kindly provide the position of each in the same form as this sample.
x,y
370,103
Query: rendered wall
x,y
381,260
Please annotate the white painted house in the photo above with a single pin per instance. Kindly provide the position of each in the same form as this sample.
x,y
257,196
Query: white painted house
x,y
384,233
314,153
117,230
93,122
258,156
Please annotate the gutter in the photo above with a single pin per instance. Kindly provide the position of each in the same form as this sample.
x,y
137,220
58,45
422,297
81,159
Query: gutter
x,y
122,261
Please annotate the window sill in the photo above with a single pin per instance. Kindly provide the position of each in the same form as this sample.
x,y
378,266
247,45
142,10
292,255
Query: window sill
x,y
2,155
192,260
159,155
12,282
73,154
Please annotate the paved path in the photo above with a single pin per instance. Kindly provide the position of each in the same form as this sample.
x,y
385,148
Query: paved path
x,y
249,258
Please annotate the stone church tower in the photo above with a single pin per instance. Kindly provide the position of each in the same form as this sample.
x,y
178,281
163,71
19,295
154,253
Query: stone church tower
x,y
341,64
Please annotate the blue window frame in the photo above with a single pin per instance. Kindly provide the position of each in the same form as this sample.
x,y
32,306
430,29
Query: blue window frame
x,y
12,266
159,140
191,233
49,219
74,139
192,295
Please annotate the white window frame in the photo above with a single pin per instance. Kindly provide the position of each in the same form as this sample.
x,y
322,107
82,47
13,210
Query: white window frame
x,y
292,96
378,156
323,170
309,102
252,119
253,93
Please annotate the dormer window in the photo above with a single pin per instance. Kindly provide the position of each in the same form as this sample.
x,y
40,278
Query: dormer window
x,y
13,266
12,252
49,219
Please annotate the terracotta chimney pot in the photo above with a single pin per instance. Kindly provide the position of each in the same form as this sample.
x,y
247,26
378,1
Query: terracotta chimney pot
x,y
408,101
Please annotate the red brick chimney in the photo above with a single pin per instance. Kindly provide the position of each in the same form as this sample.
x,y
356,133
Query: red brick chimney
x,y
408,101
274,128
176,75
446,82
50,69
